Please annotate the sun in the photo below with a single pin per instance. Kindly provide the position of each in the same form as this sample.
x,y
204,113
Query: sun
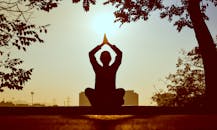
x,y
104,23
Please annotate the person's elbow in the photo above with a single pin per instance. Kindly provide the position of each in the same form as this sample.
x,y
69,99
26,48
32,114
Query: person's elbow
x,y
91,54
119,53
119,56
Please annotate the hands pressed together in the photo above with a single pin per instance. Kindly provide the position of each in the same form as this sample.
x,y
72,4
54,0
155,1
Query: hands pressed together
x,y
104,43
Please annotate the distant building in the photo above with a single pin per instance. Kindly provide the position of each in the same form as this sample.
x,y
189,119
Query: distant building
x,y
22,105
131,98
38,105
6,104
83,100
11,104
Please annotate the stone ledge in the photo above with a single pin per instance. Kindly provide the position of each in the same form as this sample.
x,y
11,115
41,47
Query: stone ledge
x,y
86,110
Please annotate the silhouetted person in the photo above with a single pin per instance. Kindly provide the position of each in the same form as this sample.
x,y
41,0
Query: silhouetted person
x,y
105,95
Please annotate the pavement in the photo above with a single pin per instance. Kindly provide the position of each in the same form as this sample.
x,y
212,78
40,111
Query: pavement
x,y
125,118
108,122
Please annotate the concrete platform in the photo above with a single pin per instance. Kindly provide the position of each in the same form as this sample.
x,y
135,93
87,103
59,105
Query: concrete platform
x,y
127,118
108,122
126,110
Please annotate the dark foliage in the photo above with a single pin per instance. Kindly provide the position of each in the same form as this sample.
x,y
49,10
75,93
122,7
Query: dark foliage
x,y
133,10
45,5
86,3
19,33
14,77
186,87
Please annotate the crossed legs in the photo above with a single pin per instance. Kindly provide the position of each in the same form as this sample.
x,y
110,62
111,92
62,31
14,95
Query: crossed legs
x,y
104,100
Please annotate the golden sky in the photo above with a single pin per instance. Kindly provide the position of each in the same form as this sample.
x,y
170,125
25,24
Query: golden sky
x,y
61,65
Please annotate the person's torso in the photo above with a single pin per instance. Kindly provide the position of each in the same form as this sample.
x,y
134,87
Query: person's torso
x,y
105,79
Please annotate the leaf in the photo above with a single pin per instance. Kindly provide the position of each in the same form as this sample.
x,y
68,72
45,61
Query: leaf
x,y
75,1
24,48
86,5
93,2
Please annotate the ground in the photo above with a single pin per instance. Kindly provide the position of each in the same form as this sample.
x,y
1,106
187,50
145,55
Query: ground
x,y
108,122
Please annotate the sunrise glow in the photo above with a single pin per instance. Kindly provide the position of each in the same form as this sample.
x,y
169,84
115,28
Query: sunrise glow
x,y
104,23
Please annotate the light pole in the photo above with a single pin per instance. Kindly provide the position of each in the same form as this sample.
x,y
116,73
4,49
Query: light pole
x,y
32,93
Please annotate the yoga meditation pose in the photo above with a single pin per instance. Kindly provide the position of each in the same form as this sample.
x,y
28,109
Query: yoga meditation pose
x,y
105,95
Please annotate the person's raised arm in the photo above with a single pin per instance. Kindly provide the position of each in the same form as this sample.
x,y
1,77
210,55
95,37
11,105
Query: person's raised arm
x,y
115,49
118,52
94,50
92,55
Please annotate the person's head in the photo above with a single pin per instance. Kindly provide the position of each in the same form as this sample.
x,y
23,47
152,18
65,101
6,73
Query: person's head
x,y
105,58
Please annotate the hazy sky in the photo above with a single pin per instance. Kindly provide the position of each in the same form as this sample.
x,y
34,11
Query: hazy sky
x,y
61,65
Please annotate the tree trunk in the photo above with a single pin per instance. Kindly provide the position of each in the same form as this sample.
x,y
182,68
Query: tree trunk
x,y
207,49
